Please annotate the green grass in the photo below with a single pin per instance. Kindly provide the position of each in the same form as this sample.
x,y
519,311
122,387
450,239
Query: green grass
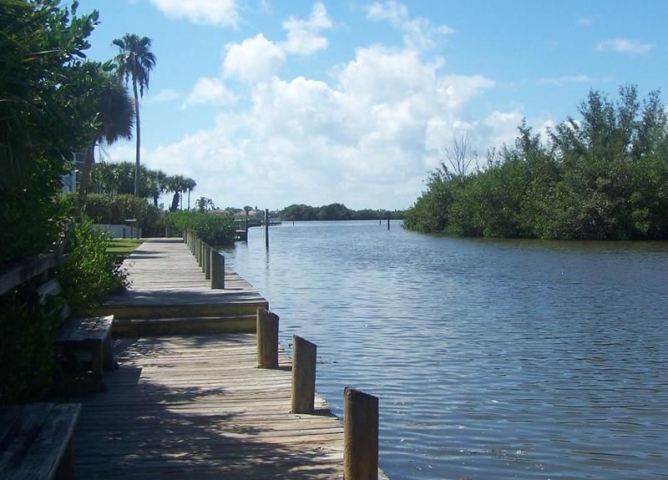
x,y
122,247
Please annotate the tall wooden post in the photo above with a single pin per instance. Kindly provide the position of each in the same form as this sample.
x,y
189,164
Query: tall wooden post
x,y
267,339
360,435
303,375
217,270
205,255
266,228
388,220
207,262
200,254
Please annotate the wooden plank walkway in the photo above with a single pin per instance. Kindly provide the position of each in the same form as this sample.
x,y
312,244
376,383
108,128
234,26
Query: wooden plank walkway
x,y
169,288
196,407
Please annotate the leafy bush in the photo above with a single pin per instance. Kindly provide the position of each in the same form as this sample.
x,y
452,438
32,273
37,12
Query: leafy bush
x,y
214,229
90,273
117,208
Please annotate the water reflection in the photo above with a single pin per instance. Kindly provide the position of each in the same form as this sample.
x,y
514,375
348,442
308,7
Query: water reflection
x,y
492,359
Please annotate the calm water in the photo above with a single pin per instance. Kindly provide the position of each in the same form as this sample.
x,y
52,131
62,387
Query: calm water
x,y
492,359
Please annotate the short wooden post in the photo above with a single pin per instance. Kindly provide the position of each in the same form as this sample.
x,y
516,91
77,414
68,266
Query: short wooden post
x,y
199,252
304,356
207,262
217,270
360,435
203,256
267,339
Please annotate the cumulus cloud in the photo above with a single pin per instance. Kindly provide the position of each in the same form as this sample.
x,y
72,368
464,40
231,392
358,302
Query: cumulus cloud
x,y
372,131
366,136
210,90
254,60
623,45
304,35
218,13
419,32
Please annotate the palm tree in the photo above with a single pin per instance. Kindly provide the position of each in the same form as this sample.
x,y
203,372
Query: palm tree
x,y
112,109
189,185
135,62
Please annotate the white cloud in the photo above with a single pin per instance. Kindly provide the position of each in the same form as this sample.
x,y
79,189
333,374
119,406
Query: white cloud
x,y
564,80
369,134
622,45
254,60
210,90
218,13
304,35
366,137
418,32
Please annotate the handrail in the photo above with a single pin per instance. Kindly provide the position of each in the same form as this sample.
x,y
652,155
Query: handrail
x,y
13,275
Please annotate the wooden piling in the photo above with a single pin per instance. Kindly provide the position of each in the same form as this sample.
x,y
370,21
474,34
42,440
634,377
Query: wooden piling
x,y
217,270
304,356
267,339
360,435
207,263
266,228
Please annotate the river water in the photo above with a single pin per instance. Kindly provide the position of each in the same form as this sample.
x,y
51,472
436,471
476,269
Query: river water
x,y
492,359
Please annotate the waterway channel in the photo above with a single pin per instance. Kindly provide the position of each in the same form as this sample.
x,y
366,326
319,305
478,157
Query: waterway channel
x,y
493,359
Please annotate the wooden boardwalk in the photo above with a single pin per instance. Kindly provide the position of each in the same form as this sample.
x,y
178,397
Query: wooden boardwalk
x,y
169,294
196,407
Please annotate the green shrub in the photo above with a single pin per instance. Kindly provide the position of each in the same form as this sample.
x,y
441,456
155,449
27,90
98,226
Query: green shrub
x,y
214,229
89,274
115,209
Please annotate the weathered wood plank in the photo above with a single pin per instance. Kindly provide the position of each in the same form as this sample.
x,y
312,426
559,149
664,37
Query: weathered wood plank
x,y
36,441
169,288
197,407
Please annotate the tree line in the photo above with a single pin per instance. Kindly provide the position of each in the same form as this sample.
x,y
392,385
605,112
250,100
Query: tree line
x,y
333,211
603,176
120,178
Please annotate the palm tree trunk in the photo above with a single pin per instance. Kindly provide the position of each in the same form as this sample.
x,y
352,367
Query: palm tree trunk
x,y
89,159
138,132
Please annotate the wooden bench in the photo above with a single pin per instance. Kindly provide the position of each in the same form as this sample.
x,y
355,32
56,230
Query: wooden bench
x,y
86,347
36,441
85,344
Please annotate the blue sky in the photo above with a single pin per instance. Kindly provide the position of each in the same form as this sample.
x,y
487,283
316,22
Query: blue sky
x,y
269,103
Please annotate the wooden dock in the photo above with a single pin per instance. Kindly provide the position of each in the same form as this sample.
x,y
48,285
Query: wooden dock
x,y
196,407
169,295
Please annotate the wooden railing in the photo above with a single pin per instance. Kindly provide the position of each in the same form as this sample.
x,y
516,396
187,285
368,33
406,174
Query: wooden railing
x,y
211,261
13,275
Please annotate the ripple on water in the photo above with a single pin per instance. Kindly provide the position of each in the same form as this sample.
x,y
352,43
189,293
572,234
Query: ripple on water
x,y
492,359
